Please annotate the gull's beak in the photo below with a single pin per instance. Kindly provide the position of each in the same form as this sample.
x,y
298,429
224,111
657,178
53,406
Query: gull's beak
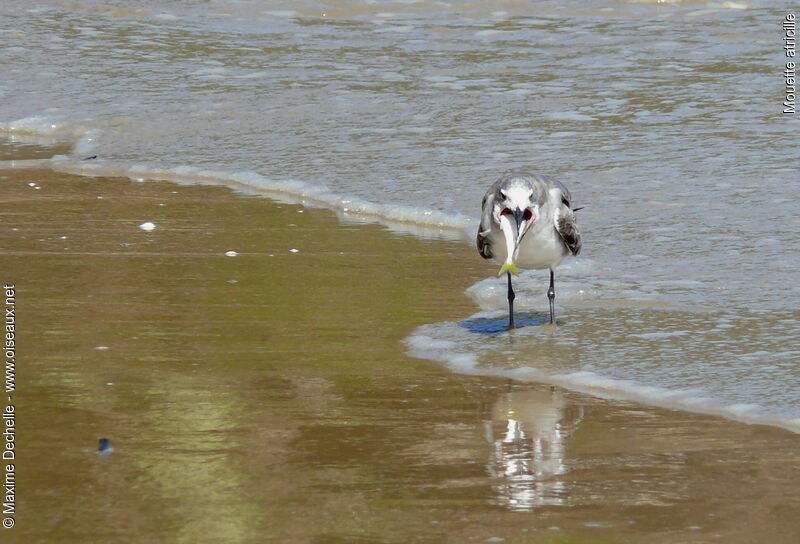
x,y
524,218
521,223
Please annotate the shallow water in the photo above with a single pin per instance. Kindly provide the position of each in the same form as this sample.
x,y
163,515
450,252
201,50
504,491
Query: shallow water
x,y
664,119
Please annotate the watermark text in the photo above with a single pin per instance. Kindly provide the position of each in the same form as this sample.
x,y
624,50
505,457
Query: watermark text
x,y
9,413
789,74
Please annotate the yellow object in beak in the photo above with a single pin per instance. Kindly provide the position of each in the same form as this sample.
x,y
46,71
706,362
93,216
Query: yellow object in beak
x,y
508,266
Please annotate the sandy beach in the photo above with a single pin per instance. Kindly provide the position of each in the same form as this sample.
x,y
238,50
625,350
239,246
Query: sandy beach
x,y
267,396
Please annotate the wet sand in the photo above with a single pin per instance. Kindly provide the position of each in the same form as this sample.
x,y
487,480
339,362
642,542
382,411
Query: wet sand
x,y
266,397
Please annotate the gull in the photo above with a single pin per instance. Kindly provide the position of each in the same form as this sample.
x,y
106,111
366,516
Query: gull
x,y
527,220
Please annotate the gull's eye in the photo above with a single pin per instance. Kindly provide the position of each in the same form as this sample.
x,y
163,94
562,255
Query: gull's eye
x,y
503,195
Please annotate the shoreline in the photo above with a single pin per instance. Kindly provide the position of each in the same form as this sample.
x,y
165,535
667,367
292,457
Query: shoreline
x,y
365,213
285,373
300,193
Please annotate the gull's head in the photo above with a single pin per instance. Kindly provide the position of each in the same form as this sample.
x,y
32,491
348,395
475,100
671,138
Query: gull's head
x,y
516,209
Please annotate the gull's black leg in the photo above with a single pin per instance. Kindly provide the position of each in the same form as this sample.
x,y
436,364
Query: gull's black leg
x,y
551,295
511,297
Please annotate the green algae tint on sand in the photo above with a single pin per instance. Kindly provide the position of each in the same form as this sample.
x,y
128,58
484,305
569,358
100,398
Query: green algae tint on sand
x,y
266,397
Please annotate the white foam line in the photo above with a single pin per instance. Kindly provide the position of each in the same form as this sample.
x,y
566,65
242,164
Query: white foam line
x,y
25,163
424,346
44,131
423,223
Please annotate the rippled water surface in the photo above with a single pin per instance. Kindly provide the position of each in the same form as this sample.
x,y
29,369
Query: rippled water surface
x,y
664,119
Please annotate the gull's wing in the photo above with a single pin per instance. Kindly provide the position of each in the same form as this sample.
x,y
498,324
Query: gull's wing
x,y
565,222
567,227
485,228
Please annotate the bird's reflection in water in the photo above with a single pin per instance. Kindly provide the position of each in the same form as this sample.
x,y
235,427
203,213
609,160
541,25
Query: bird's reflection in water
x,y
528,433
